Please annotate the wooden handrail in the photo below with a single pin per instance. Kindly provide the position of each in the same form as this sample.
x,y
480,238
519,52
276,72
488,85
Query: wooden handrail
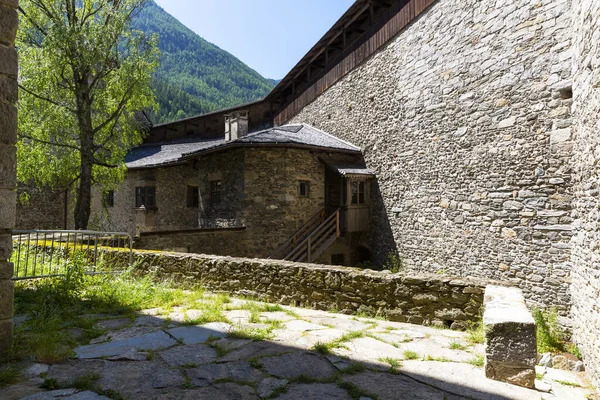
x,y
325,232
300,234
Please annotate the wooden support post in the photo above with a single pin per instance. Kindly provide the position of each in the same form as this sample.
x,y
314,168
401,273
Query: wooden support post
x,y
337,223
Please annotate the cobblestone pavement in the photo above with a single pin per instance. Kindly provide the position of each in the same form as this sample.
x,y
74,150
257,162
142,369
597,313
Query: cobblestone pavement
x,y
309,355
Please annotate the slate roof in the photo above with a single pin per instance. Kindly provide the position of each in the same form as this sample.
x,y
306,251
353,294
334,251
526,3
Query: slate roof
x,y
154,155
350,169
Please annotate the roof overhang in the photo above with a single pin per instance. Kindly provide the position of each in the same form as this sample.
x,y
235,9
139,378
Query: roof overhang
x,y
351,170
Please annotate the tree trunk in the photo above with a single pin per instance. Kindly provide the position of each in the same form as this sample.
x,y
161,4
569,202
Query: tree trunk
x,y
83,206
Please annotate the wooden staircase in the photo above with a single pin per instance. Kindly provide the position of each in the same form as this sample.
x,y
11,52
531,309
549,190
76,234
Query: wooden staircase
x,y
312,239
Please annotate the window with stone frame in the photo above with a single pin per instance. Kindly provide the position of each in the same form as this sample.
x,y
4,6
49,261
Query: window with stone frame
x,y
358,192
109,199
215,193
303,188
145,196
193,197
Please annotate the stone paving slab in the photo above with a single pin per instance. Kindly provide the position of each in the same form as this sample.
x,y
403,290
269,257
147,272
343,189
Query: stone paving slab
x,y
220,391
465,380
122,334
139,380
240,371
321,391
311,338
296,365
370,350
276,316
149,341
302,326
200,334
70,393
196,354
255,350
393,387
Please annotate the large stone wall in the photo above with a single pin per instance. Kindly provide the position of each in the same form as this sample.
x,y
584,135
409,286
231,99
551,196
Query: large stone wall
x,y
586,108
8,137
465,117
415,298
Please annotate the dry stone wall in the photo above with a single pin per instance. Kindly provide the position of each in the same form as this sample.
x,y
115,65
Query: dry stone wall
x,y
586,258
466,118
8,137
418,298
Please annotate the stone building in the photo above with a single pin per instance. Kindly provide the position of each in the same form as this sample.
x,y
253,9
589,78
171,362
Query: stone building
x,y
242,194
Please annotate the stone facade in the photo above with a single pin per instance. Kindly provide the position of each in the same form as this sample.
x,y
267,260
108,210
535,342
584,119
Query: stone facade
x,y
585,289
44,209
465,116
259,192
418,298
8,137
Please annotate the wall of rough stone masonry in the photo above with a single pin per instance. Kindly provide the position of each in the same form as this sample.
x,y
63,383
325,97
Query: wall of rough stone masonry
x,y
273,209
414,298
465,117
44,209
218,241
172,212
586,109
8,137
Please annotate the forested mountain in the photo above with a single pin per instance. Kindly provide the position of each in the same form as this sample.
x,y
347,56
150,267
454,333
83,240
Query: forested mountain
x,y
196,76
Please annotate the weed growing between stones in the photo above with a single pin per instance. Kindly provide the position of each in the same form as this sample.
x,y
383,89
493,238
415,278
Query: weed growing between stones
x,y
394,363
550,337
411,355
9,374
478,360
475,332
457,346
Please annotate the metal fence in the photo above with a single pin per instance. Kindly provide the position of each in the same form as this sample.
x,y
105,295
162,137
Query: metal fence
x,y
48,253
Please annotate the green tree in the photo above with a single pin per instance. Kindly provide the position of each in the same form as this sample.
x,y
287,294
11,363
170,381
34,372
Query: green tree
x,y
83,75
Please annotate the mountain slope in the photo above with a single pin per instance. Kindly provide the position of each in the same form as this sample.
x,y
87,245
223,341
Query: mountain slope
x,y
195,76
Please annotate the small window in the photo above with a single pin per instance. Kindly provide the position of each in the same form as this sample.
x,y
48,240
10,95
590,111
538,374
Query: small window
x,y
303,188
109,198
358,192
215,193
193,199
337,259
145,196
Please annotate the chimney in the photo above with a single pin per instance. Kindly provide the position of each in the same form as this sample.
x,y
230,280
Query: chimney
x,y
236,125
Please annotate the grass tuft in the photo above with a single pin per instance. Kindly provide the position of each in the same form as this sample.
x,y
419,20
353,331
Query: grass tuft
x,y
411,355
478,360
457,346
9,374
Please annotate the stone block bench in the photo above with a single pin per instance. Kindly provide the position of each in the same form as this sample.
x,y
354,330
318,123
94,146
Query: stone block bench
x,y
510,337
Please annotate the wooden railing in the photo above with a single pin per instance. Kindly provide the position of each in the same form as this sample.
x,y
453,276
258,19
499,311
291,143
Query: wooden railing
x,y
298,236
317,241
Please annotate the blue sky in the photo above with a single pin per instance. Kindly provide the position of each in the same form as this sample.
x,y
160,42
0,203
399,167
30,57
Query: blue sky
x,y
270,36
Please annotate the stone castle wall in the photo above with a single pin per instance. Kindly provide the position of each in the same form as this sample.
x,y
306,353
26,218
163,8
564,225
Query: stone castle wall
x,y
8,138
465,117
418,298
586,258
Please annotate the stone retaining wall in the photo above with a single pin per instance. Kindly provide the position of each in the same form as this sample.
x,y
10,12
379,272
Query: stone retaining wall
x,y
8,137
218,241
585,289
418,299
465,116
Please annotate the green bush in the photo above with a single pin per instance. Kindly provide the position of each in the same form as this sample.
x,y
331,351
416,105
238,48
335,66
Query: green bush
x,y
394,262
